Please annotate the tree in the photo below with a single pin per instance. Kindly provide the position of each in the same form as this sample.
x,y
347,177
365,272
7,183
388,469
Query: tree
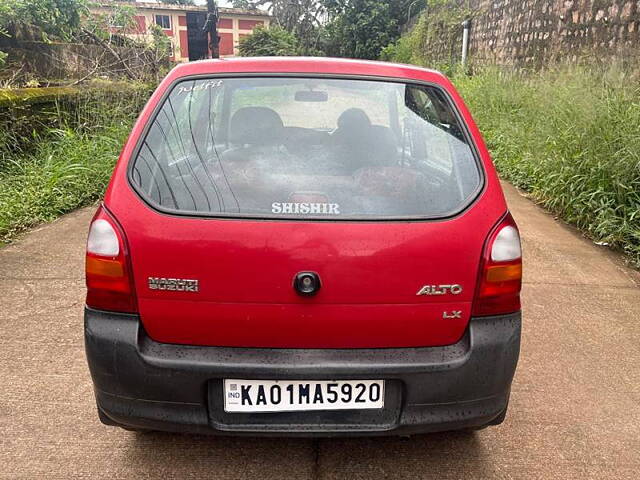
x,y
342,28
302,18
49,18
294,16
362,28
179,2
159,48
246,4
269,42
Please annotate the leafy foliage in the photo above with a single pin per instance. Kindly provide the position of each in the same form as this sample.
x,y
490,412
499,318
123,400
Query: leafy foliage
x,y
341,28
570,138
268,42
179,2
160,43
302,18
435,39
362,28
99,23
246,4
58,18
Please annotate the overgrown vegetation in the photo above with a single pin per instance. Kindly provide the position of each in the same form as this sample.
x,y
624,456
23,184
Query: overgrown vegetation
x,y
301,18
72,167
71,21
269,42
340,28
362,28
434,40
39,19
58,145
570,137
567,135
49,18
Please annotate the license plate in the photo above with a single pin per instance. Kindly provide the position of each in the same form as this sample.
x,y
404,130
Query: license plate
x,y
291,396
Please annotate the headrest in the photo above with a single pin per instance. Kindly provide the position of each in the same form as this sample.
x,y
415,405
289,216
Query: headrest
x,y
353,118
256,126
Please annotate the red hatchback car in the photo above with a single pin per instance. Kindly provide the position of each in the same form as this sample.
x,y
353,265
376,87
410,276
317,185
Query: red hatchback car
x,y
303,246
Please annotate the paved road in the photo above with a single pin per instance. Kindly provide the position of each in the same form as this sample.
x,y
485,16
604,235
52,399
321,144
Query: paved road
x,y
575,408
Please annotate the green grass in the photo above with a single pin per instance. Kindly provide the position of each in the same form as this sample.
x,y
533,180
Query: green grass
x,y
66,172
570,137
65,167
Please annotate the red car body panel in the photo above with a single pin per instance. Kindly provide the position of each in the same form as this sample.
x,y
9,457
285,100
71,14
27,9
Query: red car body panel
x,y
370,271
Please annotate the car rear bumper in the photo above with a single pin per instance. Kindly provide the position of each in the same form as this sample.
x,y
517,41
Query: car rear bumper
x,y
140,383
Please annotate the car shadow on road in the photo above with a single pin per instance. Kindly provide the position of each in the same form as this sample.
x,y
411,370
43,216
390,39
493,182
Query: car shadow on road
x,y
442,454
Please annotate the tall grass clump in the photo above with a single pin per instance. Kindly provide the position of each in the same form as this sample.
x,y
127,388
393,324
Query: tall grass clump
x,y
68,165
570,137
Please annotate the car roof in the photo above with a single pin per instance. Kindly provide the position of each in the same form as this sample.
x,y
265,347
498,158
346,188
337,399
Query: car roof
x,y
306,65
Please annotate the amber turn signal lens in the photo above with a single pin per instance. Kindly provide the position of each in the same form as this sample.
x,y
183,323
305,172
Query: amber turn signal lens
x,y
504,273
106,268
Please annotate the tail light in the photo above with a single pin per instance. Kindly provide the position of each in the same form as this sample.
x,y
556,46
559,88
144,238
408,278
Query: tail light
x,y
108,271
500,281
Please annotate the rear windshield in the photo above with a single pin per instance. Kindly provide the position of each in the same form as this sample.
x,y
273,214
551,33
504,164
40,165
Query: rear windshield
x,y
306,148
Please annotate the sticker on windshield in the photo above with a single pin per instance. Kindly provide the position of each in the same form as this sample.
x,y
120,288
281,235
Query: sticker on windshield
x,y
200,86
306,208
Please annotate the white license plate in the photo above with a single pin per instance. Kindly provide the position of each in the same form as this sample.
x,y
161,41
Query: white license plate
x,y
291,396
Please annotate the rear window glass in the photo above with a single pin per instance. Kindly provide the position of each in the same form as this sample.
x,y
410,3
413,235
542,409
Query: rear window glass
x,y
306,148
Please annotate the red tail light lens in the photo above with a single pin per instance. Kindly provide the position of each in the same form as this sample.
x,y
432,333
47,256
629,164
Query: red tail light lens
x,y
108,272
500,272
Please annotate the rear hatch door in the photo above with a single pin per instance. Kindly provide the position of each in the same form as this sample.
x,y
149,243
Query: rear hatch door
x,y
241,184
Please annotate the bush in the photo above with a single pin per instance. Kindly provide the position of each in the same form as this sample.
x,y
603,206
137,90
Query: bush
x,y
269,42
570,137
401,52
69,165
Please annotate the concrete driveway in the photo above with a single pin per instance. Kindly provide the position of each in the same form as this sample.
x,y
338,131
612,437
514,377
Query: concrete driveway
x,y
575,407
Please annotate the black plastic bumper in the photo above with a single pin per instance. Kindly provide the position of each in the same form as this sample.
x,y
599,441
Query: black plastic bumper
x,y
140,383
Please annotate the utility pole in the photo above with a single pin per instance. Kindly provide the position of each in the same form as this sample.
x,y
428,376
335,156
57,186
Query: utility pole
x,y
466,26
211,28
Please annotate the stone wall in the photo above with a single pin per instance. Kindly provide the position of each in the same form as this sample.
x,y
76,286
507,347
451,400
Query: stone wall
x,y
536,32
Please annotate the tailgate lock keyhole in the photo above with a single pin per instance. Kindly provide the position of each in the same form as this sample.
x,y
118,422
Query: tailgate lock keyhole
x,y
306,283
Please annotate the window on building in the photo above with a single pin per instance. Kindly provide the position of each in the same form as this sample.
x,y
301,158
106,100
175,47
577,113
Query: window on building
x,y
164,21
